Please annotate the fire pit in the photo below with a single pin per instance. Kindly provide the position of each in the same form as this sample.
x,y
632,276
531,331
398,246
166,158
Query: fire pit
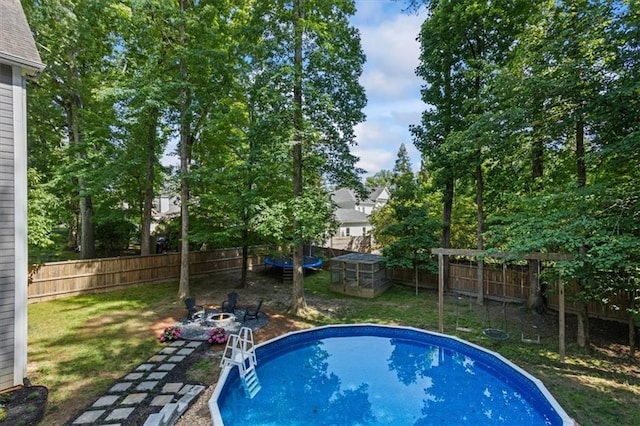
x,y
223,319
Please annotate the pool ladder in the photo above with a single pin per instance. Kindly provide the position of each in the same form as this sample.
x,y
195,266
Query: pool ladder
x,y
240,352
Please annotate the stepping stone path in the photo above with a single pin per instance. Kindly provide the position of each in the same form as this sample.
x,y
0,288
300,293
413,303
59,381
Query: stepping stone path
x,y
145,386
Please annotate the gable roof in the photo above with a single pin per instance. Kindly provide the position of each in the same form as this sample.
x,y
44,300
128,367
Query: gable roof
x,y
347,198
375,192
346,216
17,46
344,197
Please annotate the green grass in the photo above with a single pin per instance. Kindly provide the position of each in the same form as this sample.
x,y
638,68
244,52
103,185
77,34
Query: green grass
x,y
78,347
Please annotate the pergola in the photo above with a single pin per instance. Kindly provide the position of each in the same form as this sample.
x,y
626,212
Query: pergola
x,y
442,252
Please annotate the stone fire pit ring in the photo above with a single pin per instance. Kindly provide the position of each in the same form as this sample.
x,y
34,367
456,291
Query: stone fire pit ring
x,y
220,319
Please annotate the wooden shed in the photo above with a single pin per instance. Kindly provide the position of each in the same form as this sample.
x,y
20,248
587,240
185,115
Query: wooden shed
x,y
359,274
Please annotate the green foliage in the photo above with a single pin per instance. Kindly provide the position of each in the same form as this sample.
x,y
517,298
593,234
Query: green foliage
x,y
533,113
114,231
380,178
312,213
43,208
403,226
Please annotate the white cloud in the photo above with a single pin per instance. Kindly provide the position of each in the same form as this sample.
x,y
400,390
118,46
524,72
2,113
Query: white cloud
x,y
388,38
392,56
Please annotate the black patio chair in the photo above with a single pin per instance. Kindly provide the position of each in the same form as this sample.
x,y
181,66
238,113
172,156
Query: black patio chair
x,y
230,304
194,312
252,312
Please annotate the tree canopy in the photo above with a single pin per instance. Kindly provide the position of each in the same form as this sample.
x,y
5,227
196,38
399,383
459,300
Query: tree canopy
x,y
535,102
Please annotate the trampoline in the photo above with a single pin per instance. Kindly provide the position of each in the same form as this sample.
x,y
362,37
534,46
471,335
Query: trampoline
x,y
310,262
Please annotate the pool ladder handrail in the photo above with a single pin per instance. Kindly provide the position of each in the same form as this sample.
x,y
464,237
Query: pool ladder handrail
x,y
240,351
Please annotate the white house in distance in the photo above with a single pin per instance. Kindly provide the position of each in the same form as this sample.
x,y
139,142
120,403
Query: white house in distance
x,y
352,215
19,60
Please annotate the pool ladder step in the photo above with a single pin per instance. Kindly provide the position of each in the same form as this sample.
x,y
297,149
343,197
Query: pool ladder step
x,y
240,352
251,383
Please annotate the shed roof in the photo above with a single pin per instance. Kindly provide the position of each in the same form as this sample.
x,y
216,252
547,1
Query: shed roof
x,y
17,46
359,258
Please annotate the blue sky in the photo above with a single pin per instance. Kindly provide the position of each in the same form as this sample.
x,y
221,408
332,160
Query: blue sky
x,y
388,38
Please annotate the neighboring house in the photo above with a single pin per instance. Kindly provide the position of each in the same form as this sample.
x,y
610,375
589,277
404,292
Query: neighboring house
x,y
352,213
165,207
19,60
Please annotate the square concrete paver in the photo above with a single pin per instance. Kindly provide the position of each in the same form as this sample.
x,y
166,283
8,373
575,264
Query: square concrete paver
x,y
166,367
176,358
119,414
185,389
168,350
186,351
194,344
178,343
88,417
145,367
157,358
105,401
172,387
120,387
149,385
134,398
134,376
161,400
157,375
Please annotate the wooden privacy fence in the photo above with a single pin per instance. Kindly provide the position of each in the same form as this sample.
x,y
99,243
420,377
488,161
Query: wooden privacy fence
x,y
62,279
512,284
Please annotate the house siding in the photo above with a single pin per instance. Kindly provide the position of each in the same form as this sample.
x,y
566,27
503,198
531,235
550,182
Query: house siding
x,y
7,229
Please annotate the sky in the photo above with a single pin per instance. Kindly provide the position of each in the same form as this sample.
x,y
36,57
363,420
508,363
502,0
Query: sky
x,y
388,39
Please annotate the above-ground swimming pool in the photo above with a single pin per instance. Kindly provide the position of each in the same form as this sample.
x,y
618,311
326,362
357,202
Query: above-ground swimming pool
x,y
309,262
381,375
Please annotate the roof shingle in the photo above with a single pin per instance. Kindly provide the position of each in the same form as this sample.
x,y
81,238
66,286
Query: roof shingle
x,y
17,45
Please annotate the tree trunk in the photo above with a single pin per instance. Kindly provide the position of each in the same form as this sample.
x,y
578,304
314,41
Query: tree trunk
x,y
583,327
86,228
145,238
87,234
480,230
298,303
245,264
581,172
185,159
447,213
632,336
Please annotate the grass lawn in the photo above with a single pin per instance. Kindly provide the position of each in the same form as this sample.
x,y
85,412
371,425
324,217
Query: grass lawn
x,y
79,346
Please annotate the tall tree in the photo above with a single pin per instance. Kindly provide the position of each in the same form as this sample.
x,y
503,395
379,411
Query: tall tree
x,y
141,93
77,44
409,232
309,63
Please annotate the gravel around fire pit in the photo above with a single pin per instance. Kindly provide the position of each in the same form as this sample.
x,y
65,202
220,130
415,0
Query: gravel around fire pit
x,y
198,330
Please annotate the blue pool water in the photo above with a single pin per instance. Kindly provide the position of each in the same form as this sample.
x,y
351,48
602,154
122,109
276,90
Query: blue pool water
x,y
376,375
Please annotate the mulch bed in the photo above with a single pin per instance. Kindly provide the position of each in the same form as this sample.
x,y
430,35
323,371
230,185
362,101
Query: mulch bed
x,y
24,406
